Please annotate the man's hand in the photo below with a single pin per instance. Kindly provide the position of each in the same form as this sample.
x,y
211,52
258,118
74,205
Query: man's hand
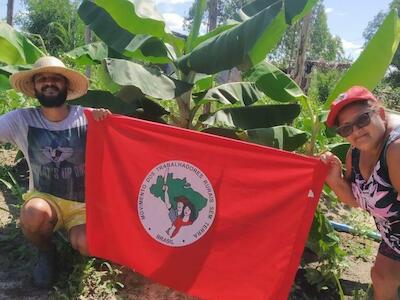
x,y
100,114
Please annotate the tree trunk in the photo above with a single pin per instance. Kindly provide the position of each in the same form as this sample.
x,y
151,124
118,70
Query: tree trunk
x,y
212,24
183,102
212,14
301,54
88,40
10,11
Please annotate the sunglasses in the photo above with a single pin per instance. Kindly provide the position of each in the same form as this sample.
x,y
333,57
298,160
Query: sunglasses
x,y
361,121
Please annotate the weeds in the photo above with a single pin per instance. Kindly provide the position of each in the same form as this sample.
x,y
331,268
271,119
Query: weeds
x,y
85,278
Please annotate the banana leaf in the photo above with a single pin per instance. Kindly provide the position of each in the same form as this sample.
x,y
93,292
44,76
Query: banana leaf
x,y
140,46
245,93
274,83
140,17
245,44
251,117
16,48
90,54
149,80
281,137
371,65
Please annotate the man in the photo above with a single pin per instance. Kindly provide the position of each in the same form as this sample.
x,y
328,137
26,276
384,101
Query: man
x,y
52,138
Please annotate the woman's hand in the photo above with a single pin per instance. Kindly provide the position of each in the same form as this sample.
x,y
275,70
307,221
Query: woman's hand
x,y
335,168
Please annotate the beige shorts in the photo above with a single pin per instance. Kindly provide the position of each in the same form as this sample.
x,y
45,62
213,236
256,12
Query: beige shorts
x,y
69,213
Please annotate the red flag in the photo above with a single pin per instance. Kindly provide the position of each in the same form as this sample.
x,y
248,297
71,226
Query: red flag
x,y
206,215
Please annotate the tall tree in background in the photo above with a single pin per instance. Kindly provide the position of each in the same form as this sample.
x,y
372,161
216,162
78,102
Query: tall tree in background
x,y
322,45
299,70
212,14
10,12
57,21
218,12
307,40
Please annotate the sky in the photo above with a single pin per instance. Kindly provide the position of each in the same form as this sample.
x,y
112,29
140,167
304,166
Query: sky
x,y
346,18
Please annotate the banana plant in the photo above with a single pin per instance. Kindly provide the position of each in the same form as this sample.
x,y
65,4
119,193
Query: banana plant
x,y
143,64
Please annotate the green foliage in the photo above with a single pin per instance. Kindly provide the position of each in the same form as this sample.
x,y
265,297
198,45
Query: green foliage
x,y
322,44
11,183
274,83
372,28
86,278
226,12
10,100
125,43
324,242
56,21
322,83
382,45
281,137
16,48
389,92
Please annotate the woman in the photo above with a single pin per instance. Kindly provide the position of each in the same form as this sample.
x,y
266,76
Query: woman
x,y
187,218
372,177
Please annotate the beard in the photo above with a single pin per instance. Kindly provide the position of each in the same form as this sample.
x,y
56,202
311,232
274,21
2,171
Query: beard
x,y
52,101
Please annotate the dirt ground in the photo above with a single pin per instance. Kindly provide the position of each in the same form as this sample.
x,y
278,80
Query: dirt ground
x,y
16,258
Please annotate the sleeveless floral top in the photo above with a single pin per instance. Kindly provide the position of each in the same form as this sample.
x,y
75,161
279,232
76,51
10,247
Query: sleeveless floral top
x,y
377,195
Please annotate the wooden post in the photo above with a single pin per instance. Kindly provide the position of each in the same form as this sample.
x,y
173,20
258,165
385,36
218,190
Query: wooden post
x,y
10,12
88,40
301,55
212,14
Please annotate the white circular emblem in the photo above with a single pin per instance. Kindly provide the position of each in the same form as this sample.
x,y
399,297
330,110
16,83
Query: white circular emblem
x,y
176,203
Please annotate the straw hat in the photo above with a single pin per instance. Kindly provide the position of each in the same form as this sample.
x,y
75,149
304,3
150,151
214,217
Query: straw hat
x,y
23,81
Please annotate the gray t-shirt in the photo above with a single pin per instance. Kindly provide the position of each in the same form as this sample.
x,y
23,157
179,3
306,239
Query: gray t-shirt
x,y
55,151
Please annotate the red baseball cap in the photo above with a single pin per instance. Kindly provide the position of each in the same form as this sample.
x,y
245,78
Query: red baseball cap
x,y
354,94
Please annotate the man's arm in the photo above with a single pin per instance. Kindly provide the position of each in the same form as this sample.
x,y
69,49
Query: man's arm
x,y
8,127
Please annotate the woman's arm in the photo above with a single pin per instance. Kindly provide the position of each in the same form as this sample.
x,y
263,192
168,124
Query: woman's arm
x,y
393,163
336,181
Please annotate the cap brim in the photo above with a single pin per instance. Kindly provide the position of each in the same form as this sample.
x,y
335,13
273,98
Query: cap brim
x,y
336,108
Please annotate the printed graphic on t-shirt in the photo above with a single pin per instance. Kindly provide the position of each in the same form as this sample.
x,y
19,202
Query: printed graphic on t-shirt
x,y
58,161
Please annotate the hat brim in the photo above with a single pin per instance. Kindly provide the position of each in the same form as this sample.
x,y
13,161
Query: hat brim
x,y
335,110
78,84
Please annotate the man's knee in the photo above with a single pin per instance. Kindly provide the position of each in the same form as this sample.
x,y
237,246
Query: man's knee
x,y
37,215
77,237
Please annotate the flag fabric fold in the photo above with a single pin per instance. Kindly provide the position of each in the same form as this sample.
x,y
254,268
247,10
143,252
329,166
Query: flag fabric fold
x,y
206,215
